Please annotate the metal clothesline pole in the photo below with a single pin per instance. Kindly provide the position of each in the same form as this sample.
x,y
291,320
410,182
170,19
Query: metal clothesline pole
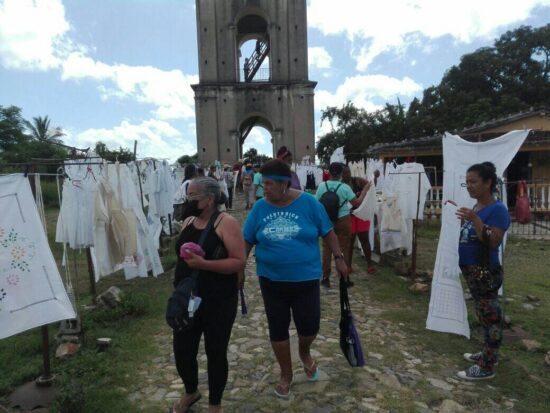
x,y
46,377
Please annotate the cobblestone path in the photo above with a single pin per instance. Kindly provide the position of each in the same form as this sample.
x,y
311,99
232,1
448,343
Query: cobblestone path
x,y
398,376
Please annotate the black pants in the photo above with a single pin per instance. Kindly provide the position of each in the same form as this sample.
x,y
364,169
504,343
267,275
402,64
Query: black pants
x,y
215,319
229,202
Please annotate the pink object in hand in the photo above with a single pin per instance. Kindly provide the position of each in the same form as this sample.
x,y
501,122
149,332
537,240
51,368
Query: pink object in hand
x,y
190,247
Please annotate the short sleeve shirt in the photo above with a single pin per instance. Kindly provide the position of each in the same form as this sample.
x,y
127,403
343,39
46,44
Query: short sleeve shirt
x,y
287,238
495,215
259,185
345,194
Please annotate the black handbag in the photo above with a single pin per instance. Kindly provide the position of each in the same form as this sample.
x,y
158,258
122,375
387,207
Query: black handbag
x,y
349,337
178,315
484,277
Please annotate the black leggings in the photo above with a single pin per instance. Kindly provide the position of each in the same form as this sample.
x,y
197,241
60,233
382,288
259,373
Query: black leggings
x,y
303,298
215,319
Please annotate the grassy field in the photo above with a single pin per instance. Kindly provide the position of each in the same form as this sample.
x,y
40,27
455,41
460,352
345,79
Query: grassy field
x,y
93,381
99,381
522,375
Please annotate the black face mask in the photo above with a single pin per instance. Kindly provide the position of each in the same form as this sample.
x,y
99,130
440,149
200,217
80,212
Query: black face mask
x,y
192,208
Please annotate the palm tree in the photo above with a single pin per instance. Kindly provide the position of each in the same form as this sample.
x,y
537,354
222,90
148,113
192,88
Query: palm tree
x,y
40,129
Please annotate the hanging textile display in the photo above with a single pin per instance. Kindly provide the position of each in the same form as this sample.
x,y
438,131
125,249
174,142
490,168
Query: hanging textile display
x,y
146,257
338,155
75,222
31,290
447,309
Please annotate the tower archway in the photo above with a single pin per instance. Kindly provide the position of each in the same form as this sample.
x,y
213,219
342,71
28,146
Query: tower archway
x,y
256,131
272,35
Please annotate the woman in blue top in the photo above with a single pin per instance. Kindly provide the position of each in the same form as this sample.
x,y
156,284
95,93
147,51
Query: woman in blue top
x,y
285,227
481,234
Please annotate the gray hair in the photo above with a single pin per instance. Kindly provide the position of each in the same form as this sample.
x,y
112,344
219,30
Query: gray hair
x,y
209,186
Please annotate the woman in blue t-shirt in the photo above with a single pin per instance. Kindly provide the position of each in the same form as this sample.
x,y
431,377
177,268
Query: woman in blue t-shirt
x,y
481,234
285,227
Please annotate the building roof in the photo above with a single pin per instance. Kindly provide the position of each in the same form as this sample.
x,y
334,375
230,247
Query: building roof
x,y
474,133
493,123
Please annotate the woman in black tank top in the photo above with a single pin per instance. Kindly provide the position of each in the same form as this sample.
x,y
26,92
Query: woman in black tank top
x,y
217,286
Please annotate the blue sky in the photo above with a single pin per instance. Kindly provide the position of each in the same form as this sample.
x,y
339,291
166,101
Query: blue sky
x,y
119,70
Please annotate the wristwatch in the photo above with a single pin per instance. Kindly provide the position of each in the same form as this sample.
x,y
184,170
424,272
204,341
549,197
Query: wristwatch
x,y
339,256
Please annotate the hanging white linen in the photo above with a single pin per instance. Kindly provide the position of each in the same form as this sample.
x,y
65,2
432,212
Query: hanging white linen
x,y
147,257
338,155
447,310
75,222
31,290
404,183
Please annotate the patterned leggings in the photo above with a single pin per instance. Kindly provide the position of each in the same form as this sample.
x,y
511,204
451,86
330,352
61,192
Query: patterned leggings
x,y
489,315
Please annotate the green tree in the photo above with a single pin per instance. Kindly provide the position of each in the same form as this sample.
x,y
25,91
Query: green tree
x,y
121,155
40,129
187,159
18,147
252,156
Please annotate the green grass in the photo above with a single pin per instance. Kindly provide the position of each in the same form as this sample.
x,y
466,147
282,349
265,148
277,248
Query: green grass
x,y
521,373
94,381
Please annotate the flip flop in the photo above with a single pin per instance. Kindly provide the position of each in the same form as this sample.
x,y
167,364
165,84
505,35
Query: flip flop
x,y
282,390
312,372
188,407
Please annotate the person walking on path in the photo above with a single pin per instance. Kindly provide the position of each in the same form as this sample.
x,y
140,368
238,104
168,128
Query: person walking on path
x,y
229,182
258,183
342,225
217,286
286,156
482,230
285,227
359,227
247,181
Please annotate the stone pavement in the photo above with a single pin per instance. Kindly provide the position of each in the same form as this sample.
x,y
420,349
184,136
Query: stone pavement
x,y
397,376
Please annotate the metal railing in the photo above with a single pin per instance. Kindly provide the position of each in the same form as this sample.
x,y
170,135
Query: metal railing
x,y
539,202
262,75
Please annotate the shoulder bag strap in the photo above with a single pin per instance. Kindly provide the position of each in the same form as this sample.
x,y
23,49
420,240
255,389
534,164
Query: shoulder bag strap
x,y
203,236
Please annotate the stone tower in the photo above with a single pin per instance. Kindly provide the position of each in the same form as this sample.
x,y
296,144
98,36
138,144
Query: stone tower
x,y
268,86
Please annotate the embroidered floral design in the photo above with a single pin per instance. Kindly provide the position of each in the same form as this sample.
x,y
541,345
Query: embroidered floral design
x,y
2,296
13,280
20,251
7,240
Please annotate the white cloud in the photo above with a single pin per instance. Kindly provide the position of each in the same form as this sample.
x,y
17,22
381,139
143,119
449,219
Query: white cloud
x,y
33,34
170,91
319,58
260,139
377,27
155,138
363,90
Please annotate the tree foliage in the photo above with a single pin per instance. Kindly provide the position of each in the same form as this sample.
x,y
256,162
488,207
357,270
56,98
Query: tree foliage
x,y
511,76
16,146
187,159
41,131
252,156
121,154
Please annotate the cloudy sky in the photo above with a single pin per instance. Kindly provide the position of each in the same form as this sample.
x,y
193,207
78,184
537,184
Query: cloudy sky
x,y
119,70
